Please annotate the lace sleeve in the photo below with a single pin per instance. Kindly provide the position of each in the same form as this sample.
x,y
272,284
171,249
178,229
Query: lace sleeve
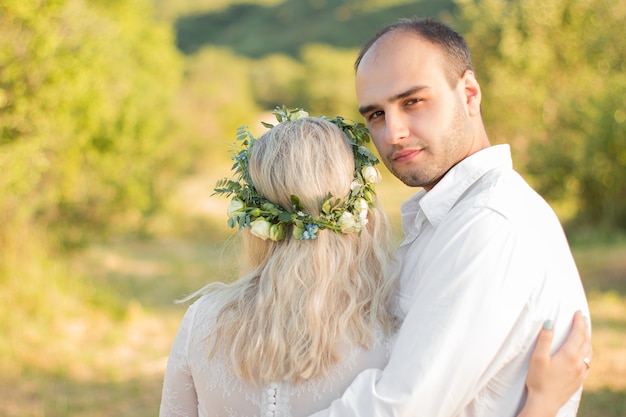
x,y
179,398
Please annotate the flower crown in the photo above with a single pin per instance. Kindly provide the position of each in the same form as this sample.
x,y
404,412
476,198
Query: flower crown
x,y
268,220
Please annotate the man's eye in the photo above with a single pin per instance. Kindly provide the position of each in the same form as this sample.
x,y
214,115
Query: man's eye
x,y
375,115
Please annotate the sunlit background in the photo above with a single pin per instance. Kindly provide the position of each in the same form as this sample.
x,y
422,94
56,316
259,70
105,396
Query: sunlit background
x,y
116,118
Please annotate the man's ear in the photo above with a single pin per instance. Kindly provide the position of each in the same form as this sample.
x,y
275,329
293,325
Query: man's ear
x,y
472,93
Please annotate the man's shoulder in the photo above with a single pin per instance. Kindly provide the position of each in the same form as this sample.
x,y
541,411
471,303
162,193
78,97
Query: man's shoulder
x,y
505,192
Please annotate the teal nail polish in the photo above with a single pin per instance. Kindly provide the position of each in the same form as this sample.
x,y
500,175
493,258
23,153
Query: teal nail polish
x,y
547,325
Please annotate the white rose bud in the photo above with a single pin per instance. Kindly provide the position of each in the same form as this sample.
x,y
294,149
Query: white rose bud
x,y
260,228
363,208
371,175
347,222
235,207
298,115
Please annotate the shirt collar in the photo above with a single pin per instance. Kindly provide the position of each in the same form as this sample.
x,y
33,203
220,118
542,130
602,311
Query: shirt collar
x,y
436,203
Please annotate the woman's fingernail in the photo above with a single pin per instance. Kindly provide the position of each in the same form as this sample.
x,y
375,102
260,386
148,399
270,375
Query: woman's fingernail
x,y
547,325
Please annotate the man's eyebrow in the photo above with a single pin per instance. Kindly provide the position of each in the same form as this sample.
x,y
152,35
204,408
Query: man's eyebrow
x,y
409,92
368,108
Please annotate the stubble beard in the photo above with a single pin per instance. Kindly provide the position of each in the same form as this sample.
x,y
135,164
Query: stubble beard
x,y
450,152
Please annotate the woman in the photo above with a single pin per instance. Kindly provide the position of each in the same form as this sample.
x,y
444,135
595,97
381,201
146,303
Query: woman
x,y
312,307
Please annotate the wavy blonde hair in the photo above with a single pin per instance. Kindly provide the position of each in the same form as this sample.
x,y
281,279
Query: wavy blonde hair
x,y
296,300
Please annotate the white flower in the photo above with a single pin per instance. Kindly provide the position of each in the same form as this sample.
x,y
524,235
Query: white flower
x,y
298,115
260,228
354,184
363,208
347,222
371,175
235,207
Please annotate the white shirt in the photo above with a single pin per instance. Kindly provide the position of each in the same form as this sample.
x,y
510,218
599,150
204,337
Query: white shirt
x,y
485,262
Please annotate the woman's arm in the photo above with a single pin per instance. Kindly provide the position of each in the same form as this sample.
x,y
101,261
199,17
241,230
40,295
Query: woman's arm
x,y
179,397
553,379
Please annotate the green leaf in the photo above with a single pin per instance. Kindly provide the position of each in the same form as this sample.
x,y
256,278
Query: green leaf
x,y
326,207
286,217
295,202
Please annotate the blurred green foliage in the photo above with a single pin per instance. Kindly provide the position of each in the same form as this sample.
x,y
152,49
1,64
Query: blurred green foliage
x,y
258,28
320,80
85,128
554,86
88,144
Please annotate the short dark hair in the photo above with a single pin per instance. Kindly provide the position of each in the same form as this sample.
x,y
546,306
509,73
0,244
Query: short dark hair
x,y
452,44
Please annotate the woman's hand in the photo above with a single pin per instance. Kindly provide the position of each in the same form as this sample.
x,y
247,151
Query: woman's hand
x,y
553,379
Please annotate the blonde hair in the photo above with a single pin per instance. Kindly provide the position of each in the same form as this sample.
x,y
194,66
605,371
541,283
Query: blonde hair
x,y
296,300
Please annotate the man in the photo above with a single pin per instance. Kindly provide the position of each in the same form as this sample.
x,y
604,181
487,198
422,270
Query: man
x,y
485,260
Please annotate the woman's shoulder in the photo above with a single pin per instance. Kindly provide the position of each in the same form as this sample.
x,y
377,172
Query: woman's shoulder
x,y
205,307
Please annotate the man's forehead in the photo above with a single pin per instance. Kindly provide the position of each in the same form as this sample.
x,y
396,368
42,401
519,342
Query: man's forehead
x,y
399,45
399,55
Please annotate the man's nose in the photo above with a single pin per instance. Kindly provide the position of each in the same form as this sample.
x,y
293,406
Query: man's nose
x,y
396,128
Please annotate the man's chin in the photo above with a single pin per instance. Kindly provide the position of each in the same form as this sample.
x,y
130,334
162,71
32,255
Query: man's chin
x,y
410,181
418,182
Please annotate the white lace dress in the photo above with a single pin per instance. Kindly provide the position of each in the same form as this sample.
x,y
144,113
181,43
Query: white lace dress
x,y
193,386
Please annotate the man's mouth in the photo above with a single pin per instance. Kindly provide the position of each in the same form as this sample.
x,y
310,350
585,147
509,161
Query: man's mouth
x,y
405,155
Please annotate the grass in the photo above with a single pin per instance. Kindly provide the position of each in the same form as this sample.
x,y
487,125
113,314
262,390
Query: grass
x,y
103,352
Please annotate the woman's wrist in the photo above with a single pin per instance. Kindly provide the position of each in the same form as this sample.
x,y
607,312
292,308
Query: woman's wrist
x,y
537,406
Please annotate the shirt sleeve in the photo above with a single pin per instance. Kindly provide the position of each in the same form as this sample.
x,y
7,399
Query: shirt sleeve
x,y
179,398
467,319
